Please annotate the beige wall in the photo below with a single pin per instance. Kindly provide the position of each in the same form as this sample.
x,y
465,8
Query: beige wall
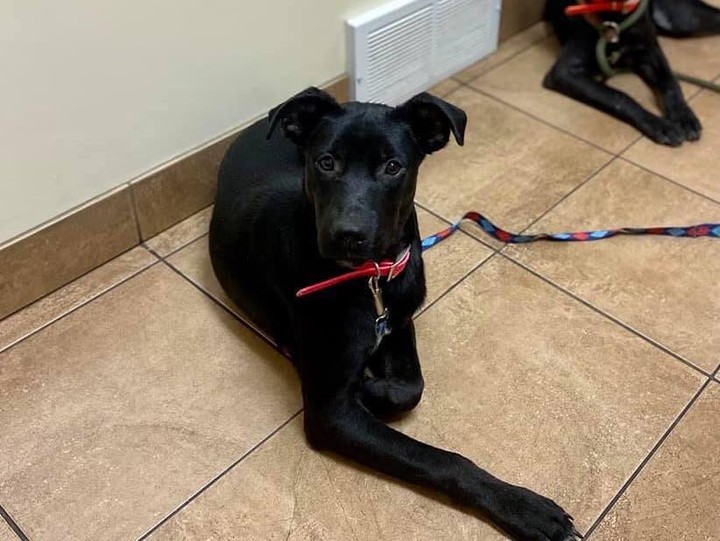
x,y
95,93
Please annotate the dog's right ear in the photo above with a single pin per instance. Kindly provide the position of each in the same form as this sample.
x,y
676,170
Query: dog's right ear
x,y
301,113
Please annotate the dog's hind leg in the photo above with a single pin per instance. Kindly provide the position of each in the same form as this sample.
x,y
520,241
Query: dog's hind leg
x,y
571,76
395,384
654,69
685,18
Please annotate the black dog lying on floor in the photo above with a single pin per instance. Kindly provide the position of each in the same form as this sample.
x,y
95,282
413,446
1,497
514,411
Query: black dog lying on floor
x,y
334,189
577,72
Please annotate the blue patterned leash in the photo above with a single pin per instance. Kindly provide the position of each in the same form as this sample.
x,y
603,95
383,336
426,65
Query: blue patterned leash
x,y
692,231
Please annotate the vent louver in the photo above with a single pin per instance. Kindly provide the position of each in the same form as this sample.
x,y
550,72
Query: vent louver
x,y
405,47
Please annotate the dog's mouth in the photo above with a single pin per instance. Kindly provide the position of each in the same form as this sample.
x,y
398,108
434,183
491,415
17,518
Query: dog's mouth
x,y
348,258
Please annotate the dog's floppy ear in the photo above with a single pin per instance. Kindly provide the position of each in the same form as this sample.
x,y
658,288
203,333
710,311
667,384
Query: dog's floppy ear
x,y
301,113
432,120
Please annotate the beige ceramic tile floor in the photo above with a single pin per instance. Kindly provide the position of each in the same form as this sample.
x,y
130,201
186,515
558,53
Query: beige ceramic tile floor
x,y
137,403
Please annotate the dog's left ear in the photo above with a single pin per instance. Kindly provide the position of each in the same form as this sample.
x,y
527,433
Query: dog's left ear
x,y
432,120
301,113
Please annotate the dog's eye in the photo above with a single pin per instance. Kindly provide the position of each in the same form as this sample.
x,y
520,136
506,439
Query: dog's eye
x,y
393,167
326,163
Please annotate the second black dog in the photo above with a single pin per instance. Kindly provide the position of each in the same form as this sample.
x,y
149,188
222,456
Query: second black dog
x,y
577,72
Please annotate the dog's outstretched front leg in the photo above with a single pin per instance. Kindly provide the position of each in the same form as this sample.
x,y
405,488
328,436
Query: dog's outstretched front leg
x,y
570,76
332,353
655,70
345,427
394,383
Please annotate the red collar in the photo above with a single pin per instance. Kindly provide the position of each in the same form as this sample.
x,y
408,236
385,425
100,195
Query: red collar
x,y
601,6
387,269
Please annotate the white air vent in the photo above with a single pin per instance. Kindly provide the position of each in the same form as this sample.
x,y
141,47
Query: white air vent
x,y
406,46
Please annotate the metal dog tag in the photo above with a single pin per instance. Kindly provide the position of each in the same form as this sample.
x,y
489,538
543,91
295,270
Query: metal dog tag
x,y
611,31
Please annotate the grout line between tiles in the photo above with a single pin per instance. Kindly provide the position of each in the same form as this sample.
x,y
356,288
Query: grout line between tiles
x,y
492,68
675,182
174,250
609,316
567,195
217,477
12,524
498,250
538,119
456,284
133,202
645,461
248,325
17,341
14,312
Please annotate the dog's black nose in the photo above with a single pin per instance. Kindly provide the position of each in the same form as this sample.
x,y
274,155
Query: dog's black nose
x,y
351,239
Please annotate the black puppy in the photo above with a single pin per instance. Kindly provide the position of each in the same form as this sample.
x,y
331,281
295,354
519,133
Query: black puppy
x,y
577,72
334,189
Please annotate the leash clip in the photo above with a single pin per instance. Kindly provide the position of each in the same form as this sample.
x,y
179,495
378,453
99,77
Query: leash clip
x,y
382,327
611,31
374,285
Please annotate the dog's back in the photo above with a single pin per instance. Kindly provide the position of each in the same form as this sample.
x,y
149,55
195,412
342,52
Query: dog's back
x,y
255,224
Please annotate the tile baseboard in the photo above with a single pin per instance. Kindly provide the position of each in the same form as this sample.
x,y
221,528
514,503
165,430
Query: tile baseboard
x,y
48,258
58,252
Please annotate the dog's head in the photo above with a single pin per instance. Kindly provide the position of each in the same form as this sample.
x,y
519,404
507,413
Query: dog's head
x,y
361,164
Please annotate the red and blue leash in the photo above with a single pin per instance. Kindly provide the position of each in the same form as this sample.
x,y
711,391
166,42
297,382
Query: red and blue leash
x,y
692,231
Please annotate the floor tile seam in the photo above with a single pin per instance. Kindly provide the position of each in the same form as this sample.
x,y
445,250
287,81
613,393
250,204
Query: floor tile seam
x,y
12,524
514,55
643,463
540,120
183,244
80,277
668,179
217,477
569,194
70,311
607,315
226,309
176,249
479,265
535,220
136,218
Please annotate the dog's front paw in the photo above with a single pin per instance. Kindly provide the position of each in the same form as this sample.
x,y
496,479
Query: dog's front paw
x,y
387,397
686,120
662,131
530,516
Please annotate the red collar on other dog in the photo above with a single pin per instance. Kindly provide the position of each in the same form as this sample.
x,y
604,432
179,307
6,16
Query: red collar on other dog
x,y
384,269
602,6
